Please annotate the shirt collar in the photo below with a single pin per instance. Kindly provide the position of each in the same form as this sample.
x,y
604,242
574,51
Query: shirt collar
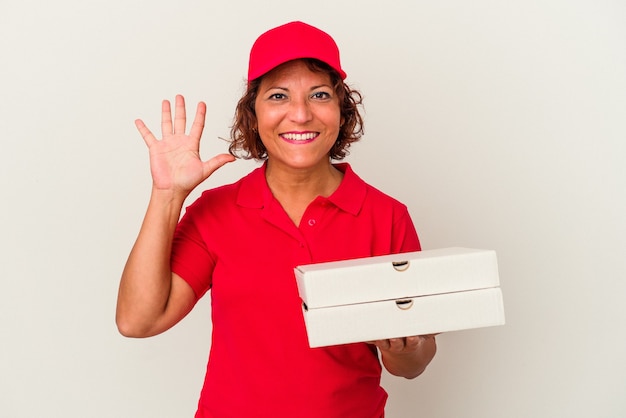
x,y
254,192
349,196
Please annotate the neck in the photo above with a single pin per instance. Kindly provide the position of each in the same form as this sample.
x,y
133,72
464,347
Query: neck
x,y
295,189
322,180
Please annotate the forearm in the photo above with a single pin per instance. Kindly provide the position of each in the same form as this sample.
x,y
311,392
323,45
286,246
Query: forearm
x,y
411,361
146,281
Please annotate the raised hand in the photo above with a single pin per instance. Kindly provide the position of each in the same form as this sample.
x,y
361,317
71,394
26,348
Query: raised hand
x,y
151,297
175,161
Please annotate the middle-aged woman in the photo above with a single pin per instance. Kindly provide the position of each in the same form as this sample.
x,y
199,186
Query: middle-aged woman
x,y
242,240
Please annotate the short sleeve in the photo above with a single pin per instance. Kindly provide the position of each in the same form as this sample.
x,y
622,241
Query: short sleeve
x,y
404,236
190,257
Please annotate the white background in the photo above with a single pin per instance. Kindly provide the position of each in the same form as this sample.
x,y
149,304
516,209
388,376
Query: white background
x,y
501,124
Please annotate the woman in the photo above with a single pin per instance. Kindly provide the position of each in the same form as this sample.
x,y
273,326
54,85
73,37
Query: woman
x,y
243,240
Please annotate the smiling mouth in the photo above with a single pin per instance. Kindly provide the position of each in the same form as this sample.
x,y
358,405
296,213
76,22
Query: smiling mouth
x,y
299,137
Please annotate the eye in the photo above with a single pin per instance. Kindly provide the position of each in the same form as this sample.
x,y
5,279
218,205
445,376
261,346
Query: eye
x,y
277,96
321,95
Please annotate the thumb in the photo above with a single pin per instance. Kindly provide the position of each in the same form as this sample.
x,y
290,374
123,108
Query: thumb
x,y
210,166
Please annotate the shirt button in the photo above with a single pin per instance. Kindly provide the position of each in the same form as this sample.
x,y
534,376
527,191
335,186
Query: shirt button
x,y
312,222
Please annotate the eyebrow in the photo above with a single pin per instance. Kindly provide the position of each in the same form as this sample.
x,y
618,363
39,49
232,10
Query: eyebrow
x,y
286,89
320,86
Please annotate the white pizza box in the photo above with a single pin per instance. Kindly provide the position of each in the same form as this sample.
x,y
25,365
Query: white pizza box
x,y
404,317
400,295
396,276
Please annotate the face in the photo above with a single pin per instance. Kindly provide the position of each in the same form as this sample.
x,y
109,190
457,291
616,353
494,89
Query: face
x,y
298,117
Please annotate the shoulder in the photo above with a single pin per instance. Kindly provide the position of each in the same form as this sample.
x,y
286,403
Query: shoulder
x,y
372,193
215,197
378,196
224,198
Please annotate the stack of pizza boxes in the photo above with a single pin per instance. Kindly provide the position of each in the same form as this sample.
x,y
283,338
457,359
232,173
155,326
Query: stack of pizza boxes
x,y
399,295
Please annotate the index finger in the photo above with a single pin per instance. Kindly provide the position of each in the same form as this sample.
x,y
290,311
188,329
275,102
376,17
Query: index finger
x,y
198,121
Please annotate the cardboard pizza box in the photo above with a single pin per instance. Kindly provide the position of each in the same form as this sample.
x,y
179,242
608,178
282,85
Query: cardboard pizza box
x,y
399,295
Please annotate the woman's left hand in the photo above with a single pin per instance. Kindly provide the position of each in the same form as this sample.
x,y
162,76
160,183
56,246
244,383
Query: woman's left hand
x,y
407,356
401,345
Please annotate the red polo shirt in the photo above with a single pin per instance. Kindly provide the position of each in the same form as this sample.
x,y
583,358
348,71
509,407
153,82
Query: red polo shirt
x,y
238,241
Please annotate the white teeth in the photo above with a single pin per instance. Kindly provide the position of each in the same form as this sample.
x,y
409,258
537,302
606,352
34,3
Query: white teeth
x,y
300,137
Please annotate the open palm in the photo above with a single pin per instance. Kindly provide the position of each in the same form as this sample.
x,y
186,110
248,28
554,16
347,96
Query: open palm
x,y
175,160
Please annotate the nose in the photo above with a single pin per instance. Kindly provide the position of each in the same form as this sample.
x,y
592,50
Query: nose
x,y
300,110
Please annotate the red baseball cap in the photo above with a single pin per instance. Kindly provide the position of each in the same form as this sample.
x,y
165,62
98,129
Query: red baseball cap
x,y
292,41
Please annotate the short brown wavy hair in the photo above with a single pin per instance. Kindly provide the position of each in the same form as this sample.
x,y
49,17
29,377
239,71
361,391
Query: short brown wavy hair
x,y
245,140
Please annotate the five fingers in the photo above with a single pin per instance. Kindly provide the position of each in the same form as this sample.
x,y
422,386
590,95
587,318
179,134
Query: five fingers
x,y
179,125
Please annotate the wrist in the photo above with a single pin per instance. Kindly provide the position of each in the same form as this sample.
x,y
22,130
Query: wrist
x,y
169,197
165,206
